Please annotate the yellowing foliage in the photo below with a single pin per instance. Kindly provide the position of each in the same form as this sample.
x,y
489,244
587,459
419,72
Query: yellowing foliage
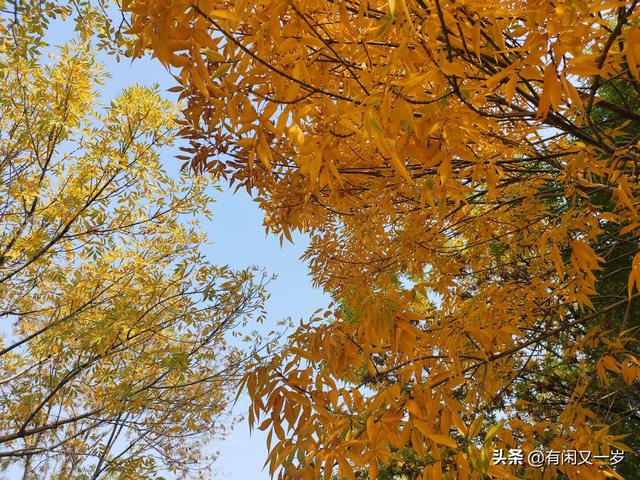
x,y
453,150
114,359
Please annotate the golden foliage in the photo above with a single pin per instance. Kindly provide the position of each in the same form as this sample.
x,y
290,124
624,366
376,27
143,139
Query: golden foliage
x,y
432,149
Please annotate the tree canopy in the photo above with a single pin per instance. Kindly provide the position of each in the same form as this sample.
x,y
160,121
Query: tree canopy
x,y
115,357
468,202
468,174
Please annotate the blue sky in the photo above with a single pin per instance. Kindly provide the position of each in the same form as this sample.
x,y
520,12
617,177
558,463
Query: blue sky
x,y
237,239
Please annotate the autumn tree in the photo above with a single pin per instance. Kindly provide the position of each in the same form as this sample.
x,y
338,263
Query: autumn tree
x,y
115,359
468,152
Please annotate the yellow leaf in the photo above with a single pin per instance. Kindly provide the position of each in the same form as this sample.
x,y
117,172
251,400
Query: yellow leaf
x,y
399,167
453,68
475,427
443,440
510,88
493,431
263,151
459,424
632,47
557,261
414,408
611,364
551,91
225,14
